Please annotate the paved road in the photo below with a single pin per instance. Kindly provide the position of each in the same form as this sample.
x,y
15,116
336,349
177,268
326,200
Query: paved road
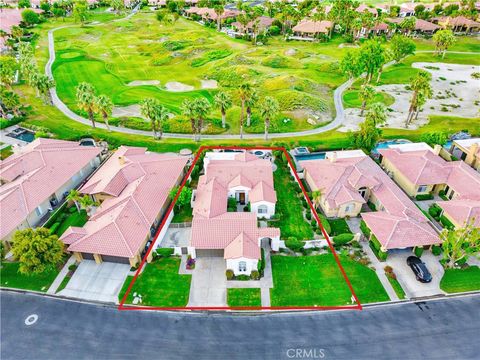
x,y
441,329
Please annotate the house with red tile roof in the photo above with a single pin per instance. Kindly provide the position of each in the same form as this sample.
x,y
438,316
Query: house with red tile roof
x,y
308,29
37,178
467,150
459,24
425,172
235,236
421,26
350,179
133,187
10,17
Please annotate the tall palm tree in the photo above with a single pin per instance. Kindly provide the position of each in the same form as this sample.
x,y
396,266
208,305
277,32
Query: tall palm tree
x,y
201,107
104,106
188,110
156,114
86,100
317,197
43,84
268,109
74,195
367,93
420,84
223,101
219,10
251,102
9,101
377,113
87,204
244,93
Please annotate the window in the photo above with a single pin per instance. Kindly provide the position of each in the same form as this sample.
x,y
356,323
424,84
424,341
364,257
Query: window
x,y
422,188
38,211
348,208
262,209
242,266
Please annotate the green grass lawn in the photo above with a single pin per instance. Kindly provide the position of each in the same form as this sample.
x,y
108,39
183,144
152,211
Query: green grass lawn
x,y
289,207
6,152
397,287
11,278
160,284
351,99
243,297
317,281
459,280
339,226
184,214
76,218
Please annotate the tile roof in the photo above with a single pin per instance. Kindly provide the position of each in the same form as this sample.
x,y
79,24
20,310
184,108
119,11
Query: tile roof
x,y
35,173
462,211
400,224
313,27
123,221
12,17
263,23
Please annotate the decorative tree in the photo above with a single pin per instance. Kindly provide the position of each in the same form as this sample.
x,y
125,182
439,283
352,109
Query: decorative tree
x,y
75,196
443,39
36,250
401,46
86,100
377,114
366,137
269,108
460,243
420,84
223,101
367,94
104,106
244,93
80,11
156,114
8,69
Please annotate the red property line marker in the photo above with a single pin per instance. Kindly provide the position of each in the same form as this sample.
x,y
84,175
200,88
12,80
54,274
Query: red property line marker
x,y
358,306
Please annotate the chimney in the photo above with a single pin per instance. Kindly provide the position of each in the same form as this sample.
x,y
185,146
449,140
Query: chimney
x,y
436,149
121,160
333,157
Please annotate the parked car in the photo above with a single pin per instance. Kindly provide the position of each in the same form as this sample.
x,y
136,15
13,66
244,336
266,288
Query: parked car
x,y
419,269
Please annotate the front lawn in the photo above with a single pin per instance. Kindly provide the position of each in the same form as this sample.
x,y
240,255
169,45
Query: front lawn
x,y
72,219
11,278
459,280
339,226
160,284
184,214
289,207
397,287
317,281
243,297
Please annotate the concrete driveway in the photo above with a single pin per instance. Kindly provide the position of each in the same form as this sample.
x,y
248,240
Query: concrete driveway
x,y
413,288
98,282
176,237
209,283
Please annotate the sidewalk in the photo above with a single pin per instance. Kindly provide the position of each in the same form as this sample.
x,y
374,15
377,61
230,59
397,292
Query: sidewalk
x,y
61,275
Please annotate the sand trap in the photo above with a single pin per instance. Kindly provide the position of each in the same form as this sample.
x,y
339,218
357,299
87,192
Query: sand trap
x,y
176,86
143,82
455,93
290,52
127,111
209,84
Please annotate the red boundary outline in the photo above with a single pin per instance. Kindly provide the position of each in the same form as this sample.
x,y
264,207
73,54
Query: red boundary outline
x,y
358,306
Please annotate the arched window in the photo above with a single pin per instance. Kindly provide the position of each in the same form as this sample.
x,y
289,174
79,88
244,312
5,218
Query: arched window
x,y
262,209
242,266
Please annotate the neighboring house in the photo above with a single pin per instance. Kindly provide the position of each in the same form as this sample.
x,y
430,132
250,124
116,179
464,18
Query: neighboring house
x,y
234,235
309,29
349,179
423,171
362,8
459,24
133,187
8,19
263,23
37,178
421,26
208,14
378,29
467,150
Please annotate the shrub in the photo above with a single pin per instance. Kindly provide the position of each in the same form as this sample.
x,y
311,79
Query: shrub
x,y
242,277
371,206
436,250
54,227
388,269
325,224
231,204
364,228
342,239
255,275
164,252
190,263
421,197
435,211
446,223
229,273
294,244
376,248
72,209
462,261
418,251
308,215
72,267
275,30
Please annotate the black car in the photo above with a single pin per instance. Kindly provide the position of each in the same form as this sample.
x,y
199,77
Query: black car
x,y
419,269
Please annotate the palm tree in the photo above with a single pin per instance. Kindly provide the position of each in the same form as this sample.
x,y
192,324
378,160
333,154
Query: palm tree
x,y
317,197
420,84
87,204
74,195
86,100
377,113
223,101
268,109
104,106
219,10
156,113
43,84
10,101
367,93
188,110
244,93
250,102
202,107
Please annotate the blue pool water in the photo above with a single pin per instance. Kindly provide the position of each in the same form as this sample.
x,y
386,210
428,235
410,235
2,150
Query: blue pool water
x,y
386,144
311,156
23,134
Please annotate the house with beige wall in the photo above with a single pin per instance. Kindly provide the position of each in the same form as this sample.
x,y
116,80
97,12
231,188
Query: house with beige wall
x,y
467,150
133,187
37,178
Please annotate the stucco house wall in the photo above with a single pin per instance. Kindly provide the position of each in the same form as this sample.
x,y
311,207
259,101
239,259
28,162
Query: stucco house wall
x,y
233,264
270,209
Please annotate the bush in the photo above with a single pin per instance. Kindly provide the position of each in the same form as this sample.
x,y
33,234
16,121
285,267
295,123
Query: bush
x,y
365,229
421,197
308,215
376,248
443,195
275,30
418,251
342,239
54,227
325,224
435,211
388,269
231,204
436,250
371,206
229,273
164,252
294,244
462,261
255,275
446,223
242,277
261,262
72,209
72,267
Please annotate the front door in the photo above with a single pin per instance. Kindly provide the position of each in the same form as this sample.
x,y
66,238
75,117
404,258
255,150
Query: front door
x,y
241,198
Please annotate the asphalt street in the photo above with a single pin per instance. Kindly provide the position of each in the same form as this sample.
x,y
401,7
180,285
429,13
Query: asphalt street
x,y
440,329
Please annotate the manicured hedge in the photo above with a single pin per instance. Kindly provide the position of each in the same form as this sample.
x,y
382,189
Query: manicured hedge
x,y
421,197
365,229
294,244
446,223
435,211
436,250
376,246
418,251
342,239
54,227
164,252
325,223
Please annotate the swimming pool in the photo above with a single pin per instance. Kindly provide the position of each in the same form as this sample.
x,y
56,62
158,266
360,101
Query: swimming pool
x,y
311,156
22,134
386,144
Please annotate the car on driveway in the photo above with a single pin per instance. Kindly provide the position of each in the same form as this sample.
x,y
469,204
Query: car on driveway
x,y
419,269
